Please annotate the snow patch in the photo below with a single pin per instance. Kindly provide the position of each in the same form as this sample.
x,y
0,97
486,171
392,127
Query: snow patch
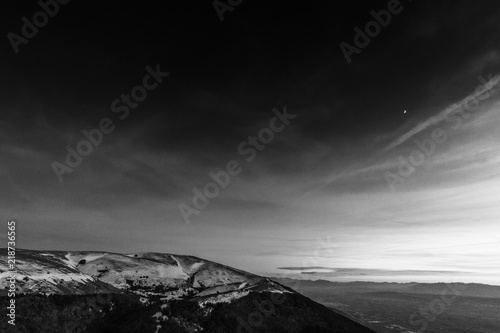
x,y
224,298
53,277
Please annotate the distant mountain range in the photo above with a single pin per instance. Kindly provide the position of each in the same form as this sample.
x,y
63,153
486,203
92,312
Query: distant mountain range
x,y
409,307
465,289
59,291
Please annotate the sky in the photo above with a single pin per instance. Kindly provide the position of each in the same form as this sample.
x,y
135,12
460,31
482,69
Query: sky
x,y
380,167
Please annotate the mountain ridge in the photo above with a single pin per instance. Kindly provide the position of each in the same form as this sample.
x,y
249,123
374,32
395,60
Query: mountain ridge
x,y
164,292
466,289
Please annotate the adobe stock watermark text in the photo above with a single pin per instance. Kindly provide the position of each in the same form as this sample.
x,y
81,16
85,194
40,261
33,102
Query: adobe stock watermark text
x,y
222,178
121,106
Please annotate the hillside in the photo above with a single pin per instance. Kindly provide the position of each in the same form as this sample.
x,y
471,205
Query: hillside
x,y
155,292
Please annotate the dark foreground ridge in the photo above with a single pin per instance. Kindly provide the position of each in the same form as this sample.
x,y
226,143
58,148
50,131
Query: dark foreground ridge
x,y
59,291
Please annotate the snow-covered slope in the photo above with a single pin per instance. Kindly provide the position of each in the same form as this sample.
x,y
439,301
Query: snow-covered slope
x,y
159,275
49,273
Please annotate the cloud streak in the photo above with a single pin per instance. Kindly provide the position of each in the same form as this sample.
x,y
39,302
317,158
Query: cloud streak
x,y
332,272
447,112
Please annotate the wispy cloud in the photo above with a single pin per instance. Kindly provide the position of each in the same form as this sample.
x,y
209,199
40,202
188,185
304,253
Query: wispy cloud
x,y
333,271
441,116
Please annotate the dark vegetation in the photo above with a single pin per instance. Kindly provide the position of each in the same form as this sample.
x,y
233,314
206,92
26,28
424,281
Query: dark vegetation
x,y
77,313
122,312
